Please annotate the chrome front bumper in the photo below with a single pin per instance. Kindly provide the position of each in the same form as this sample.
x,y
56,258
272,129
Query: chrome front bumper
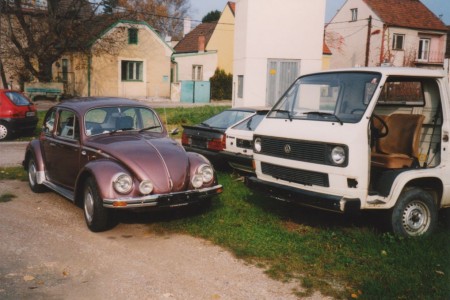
x,y
164,200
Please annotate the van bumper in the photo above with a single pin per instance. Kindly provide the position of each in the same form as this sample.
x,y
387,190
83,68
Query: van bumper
x,y
302,197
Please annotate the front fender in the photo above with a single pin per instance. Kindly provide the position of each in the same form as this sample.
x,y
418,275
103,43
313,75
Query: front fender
x,y
196,160
104,172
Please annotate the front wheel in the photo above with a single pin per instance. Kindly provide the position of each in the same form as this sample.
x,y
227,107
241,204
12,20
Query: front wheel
x,y
95,214
414,214
5,132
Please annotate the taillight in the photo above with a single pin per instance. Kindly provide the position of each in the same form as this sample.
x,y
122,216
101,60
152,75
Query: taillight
x,y
184,139
217,144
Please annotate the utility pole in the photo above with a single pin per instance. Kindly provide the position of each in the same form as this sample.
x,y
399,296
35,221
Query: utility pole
x,y
2,70
369,33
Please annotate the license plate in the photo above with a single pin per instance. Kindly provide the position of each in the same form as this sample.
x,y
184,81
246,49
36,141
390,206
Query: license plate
x,y
198,143
30,114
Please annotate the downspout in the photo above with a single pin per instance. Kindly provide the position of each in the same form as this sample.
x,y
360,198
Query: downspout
x,y
89,72
382,44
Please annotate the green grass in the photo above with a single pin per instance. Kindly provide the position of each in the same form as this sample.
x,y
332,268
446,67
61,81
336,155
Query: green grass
x,y
336,254
13,173
6,197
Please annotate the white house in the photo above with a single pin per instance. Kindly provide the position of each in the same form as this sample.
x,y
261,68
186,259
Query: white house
x,y
275,42
388,32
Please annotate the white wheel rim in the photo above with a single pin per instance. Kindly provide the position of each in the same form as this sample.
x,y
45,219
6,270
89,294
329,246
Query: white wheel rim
x,y
32,173
416,218
88,205
3,131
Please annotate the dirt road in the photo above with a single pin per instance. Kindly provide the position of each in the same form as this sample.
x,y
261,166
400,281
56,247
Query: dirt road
x,y
47,252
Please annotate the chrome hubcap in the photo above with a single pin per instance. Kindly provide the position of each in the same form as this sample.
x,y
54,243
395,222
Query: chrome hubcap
x,y
32,173
88,205
416,218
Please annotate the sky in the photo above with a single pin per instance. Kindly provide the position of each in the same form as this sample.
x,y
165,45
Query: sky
x,y
199,8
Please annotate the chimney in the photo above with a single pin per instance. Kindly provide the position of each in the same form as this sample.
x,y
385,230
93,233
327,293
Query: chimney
x,y
201,43
186,26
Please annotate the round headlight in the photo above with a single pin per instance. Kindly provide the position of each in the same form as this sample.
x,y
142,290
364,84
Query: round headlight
x,y
207,173
146,187
197,181
338,155
257,145
123,183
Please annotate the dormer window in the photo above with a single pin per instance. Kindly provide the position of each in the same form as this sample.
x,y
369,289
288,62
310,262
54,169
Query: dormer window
x,y
354,12
132,36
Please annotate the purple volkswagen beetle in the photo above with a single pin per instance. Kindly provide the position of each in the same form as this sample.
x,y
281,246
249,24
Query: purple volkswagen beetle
x,y
109,153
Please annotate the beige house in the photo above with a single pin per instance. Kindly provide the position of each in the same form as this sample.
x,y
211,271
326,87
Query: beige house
x,y
222,39
388,32
128,59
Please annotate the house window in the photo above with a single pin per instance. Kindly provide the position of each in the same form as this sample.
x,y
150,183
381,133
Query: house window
x,y
240,86
424,49
197,72
397,43
132,36
354,12
132,70
65,69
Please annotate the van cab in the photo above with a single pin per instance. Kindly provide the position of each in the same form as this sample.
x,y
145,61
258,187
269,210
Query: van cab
x,y
361,139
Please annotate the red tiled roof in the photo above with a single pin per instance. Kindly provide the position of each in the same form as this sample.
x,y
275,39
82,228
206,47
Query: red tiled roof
x,y
232,6
406,13
190,42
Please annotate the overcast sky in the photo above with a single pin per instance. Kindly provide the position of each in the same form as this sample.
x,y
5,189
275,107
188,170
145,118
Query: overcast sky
x,y
199,8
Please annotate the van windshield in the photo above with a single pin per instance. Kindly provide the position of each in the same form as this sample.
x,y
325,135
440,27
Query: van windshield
x,y
335,97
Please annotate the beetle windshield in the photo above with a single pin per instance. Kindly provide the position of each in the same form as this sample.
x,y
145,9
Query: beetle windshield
x,y
336,97
112,119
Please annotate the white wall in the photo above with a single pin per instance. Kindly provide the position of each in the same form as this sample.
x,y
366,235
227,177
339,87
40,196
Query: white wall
x,y
185,62
274,29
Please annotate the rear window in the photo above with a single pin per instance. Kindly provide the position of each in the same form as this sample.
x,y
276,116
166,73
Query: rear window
x,y
402,91
17,98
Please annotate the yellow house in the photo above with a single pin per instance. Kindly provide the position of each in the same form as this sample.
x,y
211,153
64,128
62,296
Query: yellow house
x,y
128,59
222,39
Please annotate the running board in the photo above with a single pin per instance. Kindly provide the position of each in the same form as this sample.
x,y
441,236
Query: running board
x,y
60,190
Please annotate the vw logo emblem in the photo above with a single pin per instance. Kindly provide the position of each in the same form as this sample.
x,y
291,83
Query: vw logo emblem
x,y
287,149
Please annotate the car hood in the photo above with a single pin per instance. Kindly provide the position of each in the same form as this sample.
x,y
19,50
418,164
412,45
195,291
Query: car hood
x,y
161,160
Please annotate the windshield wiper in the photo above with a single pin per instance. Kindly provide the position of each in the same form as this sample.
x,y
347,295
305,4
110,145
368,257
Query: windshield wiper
x,y
324,114
284,111
149,127
121,129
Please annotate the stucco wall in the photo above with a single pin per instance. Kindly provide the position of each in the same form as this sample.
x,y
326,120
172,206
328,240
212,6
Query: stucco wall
x,y
267,30
105,74
185,62
222,40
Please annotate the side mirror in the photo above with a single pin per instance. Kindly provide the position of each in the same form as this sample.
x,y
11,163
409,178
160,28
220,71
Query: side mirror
x,y
174,131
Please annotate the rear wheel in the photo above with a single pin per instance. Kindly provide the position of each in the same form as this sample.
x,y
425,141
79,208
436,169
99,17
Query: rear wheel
x,y
95,214
5,131
32,177
414,214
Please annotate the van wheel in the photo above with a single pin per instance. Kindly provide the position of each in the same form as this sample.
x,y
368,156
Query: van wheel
x,y
95,214
5,132
414,214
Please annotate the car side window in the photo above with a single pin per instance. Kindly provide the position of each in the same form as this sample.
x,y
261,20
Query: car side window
x,y
68,125
49,122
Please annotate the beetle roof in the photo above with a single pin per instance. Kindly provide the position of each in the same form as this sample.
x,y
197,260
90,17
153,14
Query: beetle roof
x,y
82,105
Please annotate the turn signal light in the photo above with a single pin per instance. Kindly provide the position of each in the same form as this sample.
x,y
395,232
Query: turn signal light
x,y
119,204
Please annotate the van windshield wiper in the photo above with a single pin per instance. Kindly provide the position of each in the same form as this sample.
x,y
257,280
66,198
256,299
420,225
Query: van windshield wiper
x,y
324,114
285,112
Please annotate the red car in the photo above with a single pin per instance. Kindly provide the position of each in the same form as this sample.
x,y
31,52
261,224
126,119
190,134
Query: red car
x,y
110,154
17,114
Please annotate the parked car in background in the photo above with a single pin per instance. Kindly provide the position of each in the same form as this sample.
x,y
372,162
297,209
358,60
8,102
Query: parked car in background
x,y
238,150
17,114
208,137
112,154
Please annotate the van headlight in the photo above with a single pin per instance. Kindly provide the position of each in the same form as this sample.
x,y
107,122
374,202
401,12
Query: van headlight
x,y
257,145
123,183
338,156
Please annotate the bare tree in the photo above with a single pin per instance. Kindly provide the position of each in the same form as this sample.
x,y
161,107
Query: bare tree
x,y
166,16
36,37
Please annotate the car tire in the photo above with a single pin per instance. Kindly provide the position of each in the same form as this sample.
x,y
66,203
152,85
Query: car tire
x,y
32,177
414,214
5,131
95,214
